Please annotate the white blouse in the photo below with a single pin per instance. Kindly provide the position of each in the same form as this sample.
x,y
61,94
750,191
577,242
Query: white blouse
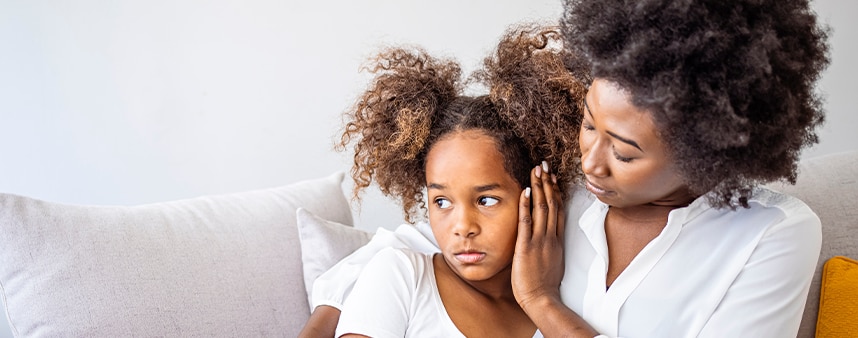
x,y
710,273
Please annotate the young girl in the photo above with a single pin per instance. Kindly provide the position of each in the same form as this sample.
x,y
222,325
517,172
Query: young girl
x,y
415,133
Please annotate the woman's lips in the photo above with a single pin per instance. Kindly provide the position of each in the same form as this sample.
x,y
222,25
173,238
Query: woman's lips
x,y
595,189
470,257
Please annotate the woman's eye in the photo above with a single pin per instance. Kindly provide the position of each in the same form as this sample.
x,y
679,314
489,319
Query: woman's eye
x,y
488,201
586,126
622,158
442,203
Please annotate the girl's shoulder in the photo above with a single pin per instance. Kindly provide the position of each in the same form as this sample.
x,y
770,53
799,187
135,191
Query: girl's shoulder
x,y
403,260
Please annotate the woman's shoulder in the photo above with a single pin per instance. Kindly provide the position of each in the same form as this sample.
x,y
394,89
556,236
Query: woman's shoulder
x,y
775,215
791,207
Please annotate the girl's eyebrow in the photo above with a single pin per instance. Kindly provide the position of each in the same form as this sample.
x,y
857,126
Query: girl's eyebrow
x,y
479,188
486,187
623,139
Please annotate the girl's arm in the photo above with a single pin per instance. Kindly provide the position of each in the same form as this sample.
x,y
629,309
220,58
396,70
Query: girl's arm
x,y
538,266
322,323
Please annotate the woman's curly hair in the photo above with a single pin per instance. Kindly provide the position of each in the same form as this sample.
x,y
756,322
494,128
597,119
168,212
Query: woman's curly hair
x,y
730,84
532,111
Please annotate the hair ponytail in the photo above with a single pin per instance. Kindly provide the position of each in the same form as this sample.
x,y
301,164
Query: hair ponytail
x,y
391,122
539,87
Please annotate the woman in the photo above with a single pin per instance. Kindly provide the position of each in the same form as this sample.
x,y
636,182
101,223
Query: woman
x,y
694,104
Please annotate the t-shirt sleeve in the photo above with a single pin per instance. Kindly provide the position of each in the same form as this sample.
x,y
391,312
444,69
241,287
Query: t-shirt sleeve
x,y
767,297
333,286
380,303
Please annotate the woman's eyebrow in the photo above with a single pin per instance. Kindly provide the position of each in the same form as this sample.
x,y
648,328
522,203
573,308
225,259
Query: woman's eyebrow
x,y
625,140
622,139
587,107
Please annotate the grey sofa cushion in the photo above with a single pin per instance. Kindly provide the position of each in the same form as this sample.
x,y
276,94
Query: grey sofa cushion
x,y
829,185
224,265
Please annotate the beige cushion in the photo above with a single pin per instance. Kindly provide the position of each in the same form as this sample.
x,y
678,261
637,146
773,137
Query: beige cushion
x,y
324,243
223,265
829,185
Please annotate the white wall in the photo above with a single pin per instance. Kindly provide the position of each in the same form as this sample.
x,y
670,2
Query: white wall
x,y
127,102
838,81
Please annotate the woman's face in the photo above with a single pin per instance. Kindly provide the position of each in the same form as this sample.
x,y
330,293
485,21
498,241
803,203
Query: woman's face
x,y
473,204
624,160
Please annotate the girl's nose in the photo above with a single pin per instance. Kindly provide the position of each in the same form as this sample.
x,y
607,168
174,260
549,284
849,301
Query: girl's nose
x,y
465,224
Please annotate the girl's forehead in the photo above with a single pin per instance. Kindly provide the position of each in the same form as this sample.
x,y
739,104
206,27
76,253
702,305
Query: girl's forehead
x,y
464,152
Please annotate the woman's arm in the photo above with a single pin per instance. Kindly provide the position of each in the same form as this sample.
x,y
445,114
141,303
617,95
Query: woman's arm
x,y
538,267
322,323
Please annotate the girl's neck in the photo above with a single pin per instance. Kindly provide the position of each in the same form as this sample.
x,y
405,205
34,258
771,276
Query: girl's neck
x,y
498,287
481,308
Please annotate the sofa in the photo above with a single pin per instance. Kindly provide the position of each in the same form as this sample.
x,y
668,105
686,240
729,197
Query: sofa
x,y
240,264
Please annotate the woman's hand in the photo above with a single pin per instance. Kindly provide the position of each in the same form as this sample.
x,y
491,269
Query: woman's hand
x,y
537,267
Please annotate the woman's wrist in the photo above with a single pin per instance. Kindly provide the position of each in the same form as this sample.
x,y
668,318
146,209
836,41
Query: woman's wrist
x,y
539,302
554,319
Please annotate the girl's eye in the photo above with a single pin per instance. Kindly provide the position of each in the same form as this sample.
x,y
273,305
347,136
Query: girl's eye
x,y
488,201
442,203
586,126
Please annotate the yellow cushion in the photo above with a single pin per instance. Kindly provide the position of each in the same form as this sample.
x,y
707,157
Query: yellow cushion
x,y
838,299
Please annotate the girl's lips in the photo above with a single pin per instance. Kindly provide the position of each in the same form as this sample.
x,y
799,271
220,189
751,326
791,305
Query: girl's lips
x,y
470,257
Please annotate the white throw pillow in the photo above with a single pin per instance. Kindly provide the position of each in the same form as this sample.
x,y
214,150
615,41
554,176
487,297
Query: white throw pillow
x,y
324,243
222,265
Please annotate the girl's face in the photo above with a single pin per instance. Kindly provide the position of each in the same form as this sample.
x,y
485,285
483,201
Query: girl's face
x,y
624,160
473,204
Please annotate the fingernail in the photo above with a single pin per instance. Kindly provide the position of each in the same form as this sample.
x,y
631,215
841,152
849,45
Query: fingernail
x,y
554,178
527,192
545,166
538,171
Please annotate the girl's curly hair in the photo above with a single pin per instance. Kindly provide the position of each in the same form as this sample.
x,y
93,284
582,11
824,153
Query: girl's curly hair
x,y
532,111
730,84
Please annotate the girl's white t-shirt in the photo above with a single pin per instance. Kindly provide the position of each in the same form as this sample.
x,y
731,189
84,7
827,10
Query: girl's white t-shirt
x,y
396,295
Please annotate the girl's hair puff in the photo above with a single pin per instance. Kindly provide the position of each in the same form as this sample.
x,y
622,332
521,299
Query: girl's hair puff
x,y
539,85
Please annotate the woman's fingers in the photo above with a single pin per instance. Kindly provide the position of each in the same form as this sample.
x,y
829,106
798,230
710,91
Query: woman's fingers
x,y
538,267
537,198
525,222
540,212
561,212
551,196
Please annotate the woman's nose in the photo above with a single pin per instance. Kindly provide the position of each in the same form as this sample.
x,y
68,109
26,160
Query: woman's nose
x,y
593,163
